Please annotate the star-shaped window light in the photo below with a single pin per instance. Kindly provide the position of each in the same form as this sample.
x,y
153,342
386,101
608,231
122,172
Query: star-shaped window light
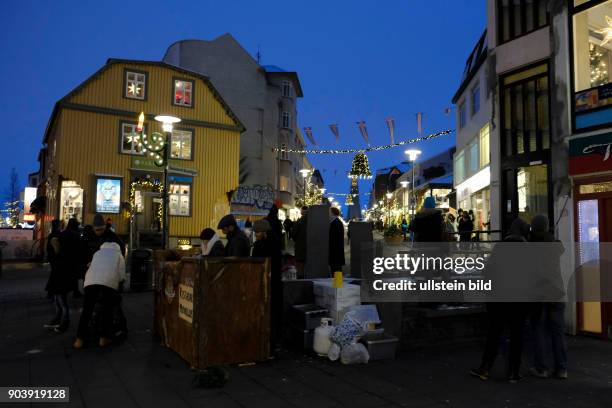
x,y
607,32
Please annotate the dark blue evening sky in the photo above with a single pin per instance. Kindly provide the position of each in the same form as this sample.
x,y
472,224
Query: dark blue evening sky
x,y
357,60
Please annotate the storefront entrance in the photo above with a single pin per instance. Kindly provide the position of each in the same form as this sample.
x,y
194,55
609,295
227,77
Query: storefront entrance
x,y
593,226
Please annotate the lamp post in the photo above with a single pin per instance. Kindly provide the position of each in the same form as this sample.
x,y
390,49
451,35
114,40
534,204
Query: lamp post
x,y
404,184
322,190
412,156
167,126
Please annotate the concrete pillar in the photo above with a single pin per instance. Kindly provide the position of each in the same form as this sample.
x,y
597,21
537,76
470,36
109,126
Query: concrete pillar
x,y
317,242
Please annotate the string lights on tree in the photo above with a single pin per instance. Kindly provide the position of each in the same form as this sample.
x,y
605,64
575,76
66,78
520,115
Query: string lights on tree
x,y
599,68
361,167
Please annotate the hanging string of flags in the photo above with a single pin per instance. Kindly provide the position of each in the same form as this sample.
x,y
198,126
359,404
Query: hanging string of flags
x,y
335,131
368,149
391,125
308,131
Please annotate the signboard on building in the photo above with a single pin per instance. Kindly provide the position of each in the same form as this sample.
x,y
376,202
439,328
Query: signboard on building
x,y
591,154
108,195
252,200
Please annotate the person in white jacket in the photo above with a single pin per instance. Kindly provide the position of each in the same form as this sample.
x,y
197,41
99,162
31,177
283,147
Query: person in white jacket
x,y
106,271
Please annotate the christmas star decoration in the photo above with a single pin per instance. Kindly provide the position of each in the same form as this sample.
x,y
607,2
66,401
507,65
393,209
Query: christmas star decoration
x,y
607,32
133,89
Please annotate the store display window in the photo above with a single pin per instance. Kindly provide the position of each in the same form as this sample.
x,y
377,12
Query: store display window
x,y
180,199
71,204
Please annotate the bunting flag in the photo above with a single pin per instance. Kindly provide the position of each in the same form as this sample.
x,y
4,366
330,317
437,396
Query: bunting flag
x,y
364,131
335,131
391,125
308,131
419,123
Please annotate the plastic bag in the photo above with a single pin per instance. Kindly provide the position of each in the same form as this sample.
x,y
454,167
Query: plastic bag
x,y
334,352
347,332
355,353
363,314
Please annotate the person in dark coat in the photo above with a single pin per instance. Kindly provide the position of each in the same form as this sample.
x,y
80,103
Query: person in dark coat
x,y
266,247
466,226
98,234
67,251
501,315
237,242
300,237
547,319
428,224
276,226
211,244
52,258
336,241
288,226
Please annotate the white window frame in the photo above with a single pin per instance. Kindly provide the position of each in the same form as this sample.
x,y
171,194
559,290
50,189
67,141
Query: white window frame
x,y
485,133
140,79
459,165
182,133
286,89
286,120
174,88
473,160
134,143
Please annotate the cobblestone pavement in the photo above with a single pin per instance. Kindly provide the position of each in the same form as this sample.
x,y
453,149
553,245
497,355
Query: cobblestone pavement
x,y
141,373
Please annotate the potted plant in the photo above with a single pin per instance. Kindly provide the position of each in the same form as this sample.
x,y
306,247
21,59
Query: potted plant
x,y
393,234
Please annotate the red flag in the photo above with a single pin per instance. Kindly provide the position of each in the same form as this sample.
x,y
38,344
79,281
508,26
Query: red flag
x,y
364,131
308,131
391,125
420,123
335,131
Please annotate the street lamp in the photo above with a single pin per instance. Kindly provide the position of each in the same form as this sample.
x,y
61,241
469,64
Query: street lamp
x,y
389,196
167,125
412,156
404,184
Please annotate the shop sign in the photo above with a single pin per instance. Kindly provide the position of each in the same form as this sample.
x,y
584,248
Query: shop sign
x,y
594,98
591,154
475,183
252,199
185,310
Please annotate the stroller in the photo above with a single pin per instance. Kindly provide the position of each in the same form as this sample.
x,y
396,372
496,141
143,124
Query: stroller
x,y
119,322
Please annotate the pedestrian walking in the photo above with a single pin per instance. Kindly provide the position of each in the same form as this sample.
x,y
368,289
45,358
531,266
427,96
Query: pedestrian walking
x,y
237,242
266,247
59,283
300,238
427,225
211,243
547,319
106,272
465,228
276,226
336,241
404,226
502,315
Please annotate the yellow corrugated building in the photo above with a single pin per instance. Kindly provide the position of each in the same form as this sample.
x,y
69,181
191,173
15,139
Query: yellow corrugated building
x,y
93,163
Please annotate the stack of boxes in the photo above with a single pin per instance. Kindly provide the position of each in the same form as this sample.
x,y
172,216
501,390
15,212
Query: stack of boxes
x,y
336,300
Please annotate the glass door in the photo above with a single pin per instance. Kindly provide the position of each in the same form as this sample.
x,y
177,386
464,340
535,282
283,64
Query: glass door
x,y
588,260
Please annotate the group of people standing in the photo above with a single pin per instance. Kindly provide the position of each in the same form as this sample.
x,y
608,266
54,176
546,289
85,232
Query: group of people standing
x,y
93,254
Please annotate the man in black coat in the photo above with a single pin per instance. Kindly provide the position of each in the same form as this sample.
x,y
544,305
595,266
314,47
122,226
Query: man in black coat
x,y
237,242
336,241
98,234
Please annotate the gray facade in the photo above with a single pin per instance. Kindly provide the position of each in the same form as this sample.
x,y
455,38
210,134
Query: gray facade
x,y
265,100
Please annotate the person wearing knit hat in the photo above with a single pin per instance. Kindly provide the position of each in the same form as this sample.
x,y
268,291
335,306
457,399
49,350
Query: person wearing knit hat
x,y
428,224
237,242
211,244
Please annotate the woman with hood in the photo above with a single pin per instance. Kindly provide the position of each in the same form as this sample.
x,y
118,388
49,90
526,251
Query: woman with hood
x,y
106,271
211,243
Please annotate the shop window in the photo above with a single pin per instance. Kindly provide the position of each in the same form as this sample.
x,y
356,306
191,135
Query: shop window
x,y
532,188
180,200
283,154
130,139
181,144
525,108
484,146
286,89
135,85
475,100
71,201
462,115
183,92
592,50
459,169
519,17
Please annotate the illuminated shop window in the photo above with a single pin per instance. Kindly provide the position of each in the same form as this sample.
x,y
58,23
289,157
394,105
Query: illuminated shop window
x,y
183,92
180,200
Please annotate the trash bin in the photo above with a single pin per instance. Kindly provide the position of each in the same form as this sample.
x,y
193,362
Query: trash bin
x,y
141,273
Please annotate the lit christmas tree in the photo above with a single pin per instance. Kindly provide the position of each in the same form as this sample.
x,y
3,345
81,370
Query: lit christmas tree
x,y
361,167
599,67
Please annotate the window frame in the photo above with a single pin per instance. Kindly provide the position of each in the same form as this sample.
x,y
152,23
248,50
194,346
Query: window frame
x,y
192,132
135,124
145,92
475,91
173,95
511,20
459,158
288,115
481,133
573,10
181,183
289,86
462,111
